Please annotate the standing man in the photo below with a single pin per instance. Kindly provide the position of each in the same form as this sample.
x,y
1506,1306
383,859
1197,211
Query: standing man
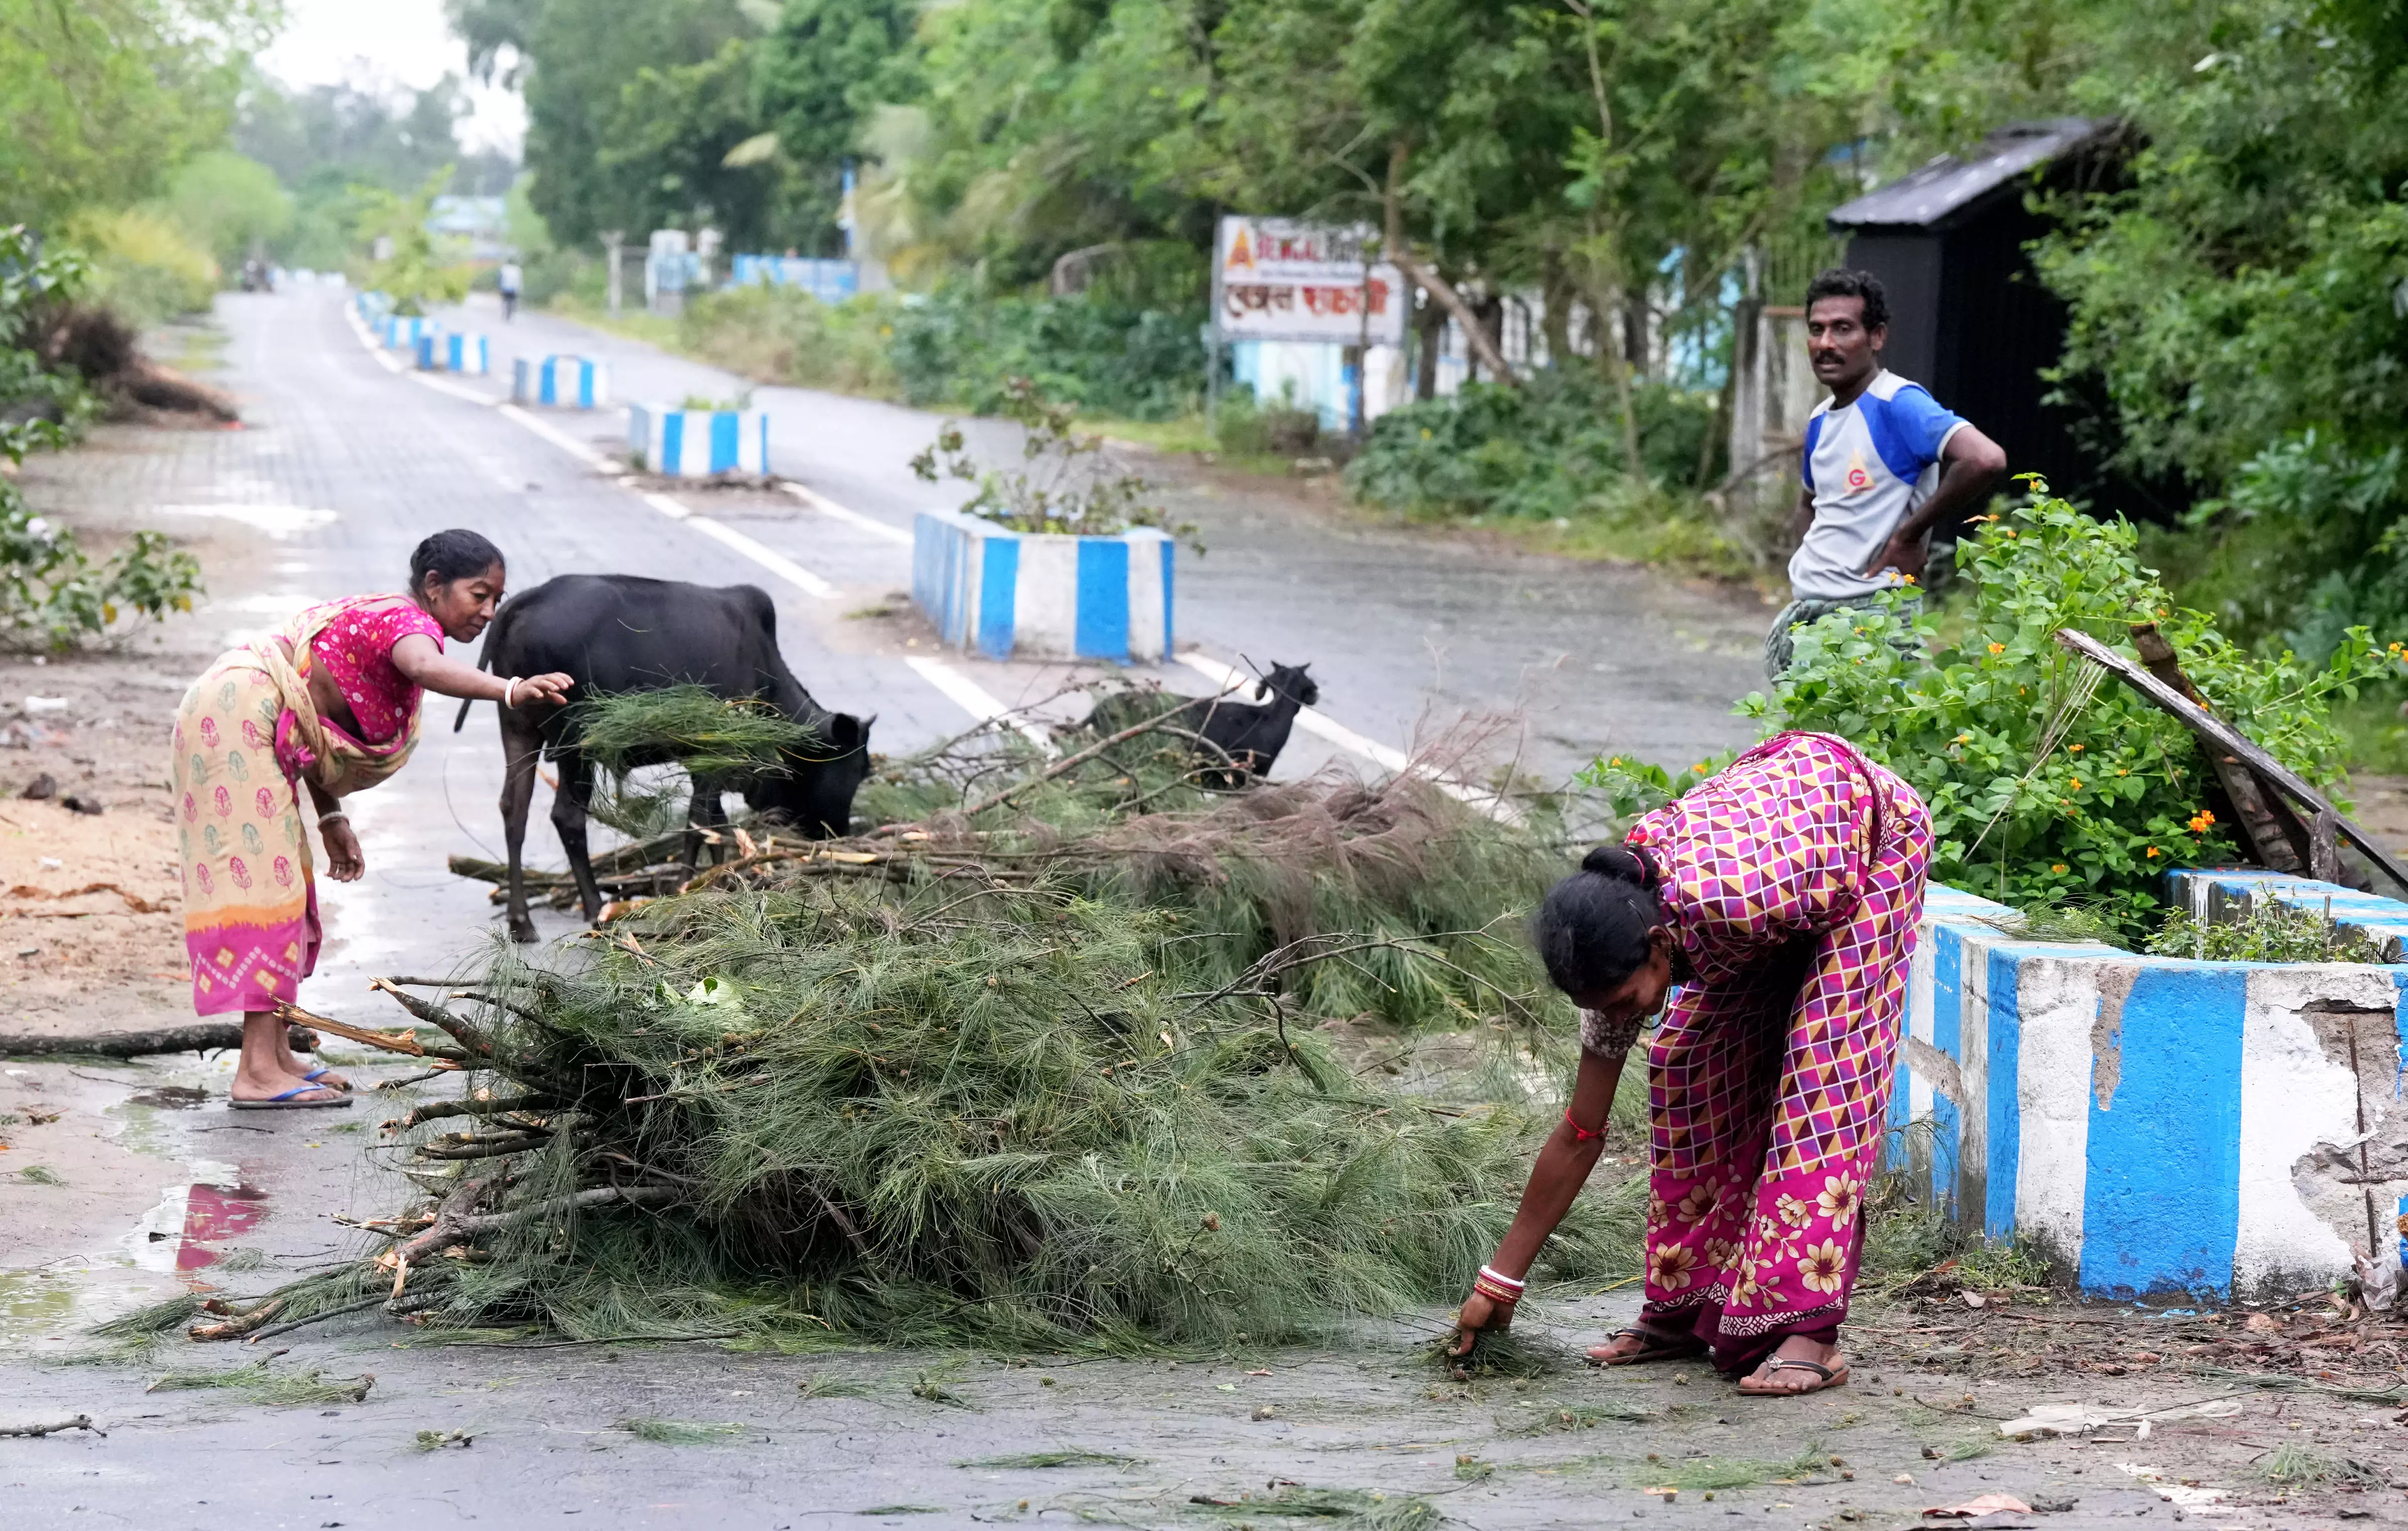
x,y
508,280
1884,465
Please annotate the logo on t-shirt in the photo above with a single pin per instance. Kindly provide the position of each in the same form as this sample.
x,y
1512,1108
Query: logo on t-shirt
x,y
1859,479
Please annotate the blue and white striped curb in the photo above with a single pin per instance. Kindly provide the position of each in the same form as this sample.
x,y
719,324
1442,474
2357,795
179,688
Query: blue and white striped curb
x,y
2157,1124
575,382
1010,594
403,332
452,351
697,443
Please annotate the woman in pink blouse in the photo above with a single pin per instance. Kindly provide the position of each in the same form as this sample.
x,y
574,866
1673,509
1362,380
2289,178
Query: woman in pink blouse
x,y
329,705
1781,896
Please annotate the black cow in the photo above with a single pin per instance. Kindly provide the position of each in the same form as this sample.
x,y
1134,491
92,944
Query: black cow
x,y
619,633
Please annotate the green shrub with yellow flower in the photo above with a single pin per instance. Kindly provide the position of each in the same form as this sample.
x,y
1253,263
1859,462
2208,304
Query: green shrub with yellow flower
x,y
2048,786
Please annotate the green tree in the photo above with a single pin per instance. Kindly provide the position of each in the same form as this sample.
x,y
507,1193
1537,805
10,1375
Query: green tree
x,y
101,99
822,69
230,204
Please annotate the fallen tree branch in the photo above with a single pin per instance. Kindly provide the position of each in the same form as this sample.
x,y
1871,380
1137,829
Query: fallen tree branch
x,y
404,1040
200,1036
81,1422
234,1328
287,1327
476,1108
434,1015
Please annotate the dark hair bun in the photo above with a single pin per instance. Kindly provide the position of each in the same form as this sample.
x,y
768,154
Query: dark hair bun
x,y
1621,864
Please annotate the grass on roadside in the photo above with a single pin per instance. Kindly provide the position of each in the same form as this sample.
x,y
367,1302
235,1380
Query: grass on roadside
x,y
281,1390
2292,1466
682,1432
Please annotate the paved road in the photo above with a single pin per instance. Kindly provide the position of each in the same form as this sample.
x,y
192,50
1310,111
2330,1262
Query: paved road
x,y
346,466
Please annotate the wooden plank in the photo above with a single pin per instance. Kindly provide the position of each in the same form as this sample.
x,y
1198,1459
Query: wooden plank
x,y
2223,736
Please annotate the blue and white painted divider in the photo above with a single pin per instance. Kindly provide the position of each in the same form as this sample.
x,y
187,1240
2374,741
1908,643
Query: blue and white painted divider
x,y
450,350
2158,1125
371,305
573,382
402,332
697,443
1039,596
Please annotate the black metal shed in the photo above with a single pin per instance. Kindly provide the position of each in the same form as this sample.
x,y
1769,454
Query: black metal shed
x,y
1970,319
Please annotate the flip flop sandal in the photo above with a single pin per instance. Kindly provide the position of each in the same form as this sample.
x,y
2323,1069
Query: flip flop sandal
x,y
286,1102
1829,1378
1653,1346
316,1074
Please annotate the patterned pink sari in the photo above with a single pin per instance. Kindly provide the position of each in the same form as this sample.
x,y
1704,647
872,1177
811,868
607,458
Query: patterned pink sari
x,y
1793,881
246,734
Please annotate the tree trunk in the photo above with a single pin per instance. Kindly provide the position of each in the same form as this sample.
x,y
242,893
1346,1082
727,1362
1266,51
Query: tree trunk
x,y
1430,325
1484,349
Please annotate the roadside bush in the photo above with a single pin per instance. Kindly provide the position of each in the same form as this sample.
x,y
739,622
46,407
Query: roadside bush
x,y
2047,785
49,589
790,335
144,264
1536,452
1139,363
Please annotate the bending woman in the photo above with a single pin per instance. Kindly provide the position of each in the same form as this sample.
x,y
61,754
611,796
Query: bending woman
x,y
1780,897
329,705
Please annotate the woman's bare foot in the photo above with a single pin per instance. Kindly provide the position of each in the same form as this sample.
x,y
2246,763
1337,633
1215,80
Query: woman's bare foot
x,y
268,1068
1798,1365
1644,1342
268,1083
291,1063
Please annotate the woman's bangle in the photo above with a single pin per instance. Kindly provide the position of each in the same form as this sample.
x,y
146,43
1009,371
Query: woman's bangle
x,y
325,819
1497,1286
511,694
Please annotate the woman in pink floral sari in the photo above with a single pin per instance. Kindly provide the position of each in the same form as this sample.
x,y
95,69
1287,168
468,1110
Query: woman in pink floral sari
x,y
329,705
1780,897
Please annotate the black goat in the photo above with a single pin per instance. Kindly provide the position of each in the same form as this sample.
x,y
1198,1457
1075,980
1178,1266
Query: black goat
x,y
1253,735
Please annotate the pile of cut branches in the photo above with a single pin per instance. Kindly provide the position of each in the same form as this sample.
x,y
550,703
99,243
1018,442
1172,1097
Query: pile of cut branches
x,y
1027,1069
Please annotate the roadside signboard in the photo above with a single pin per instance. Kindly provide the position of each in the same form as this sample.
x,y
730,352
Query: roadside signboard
x,y
1276,279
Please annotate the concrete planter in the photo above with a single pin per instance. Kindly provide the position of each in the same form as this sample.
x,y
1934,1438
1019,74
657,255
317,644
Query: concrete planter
x,y
1012,595
452,351
403,332
697,443
572,382
2159,1125
371,306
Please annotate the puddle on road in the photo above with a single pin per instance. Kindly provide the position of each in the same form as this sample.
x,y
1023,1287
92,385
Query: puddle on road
x,y
172,1097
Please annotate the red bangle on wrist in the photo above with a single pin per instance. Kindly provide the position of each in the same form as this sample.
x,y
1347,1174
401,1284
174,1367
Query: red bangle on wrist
x,y
1579,1134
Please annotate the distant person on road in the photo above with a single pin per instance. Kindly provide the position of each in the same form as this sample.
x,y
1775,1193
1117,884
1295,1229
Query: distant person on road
x,y
329,705
1884,465
1781,896
509,279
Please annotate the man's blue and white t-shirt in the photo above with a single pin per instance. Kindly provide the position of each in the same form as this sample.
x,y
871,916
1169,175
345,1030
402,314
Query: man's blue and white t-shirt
x,y
1868,467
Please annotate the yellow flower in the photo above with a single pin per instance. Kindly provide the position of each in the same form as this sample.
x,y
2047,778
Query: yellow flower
x,y
2059,867
2153,852
1669,1267
1699,767
2075,749
1998,648
1822,1267
2010,531
1964,738
2201,821
2123,773
2077,783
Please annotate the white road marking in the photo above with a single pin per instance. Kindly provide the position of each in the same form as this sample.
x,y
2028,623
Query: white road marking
x,y
1323,726
458,391
973,699
768,558
826,506
554,434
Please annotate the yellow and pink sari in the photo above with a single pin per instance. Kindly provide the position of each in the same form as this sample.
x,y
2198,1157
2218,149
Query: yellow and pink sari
x,y
245,735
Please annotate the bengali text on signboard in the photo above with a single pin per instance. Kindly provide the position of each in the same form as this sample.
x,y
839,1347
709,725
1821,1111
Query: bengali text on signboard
x,y
1279,280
